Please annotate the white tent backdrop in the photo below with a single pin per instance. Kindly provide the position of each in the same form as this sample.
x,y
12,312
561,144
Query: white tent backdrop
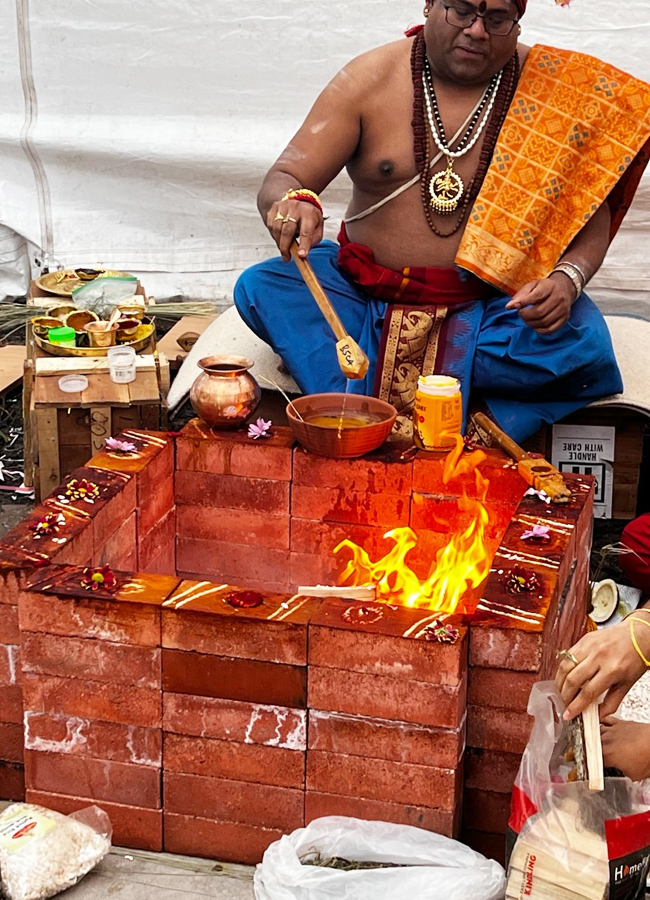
x,y
135,134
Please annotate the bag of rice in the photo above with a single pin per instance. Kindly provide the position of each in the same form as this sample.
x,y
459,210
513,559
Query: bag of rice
x,y
43,852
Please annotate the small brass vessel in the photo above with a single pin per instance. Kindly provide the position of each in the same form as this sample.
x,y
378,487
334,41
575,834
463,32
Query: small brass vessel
x,y
61,311
42,325
79,318
101,336
225,394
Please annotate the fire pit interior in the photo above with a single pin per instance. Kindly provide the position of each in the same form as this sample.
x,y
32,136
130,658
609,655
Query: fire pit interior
x,y
165,654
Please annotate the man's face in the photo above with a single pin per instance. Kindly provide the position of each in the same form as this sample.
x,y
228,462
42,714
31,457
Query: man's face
x,y
469,55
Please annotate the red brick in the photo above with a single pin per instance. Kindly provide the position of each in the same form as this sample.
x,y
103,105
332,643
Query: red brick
x,y
431,512
502,688
133,827
227,841
93,738
381,697
256,567
405,653
361,475
505,481
310,569
164,563
232,720
280,642
498,729
93,700
11,703
232,492
354,507
440,821
66,657
11,577
313,536
500,648
492,846
234,679
241,762
97,778
9,633
109,518
161,538
12,781
486,811
254,529
382,739
234,801
199,449
70,543
488,770
120,549
124,623
11,742
10,664
155,503
381,779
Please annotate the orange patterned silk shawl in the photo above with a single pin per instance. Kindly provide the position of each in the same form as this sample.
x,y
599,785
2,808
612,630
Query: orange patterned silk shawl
x,y
577,134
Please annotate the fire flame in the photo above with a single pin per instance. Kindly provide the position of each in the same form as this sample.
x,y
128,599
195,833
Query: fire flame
x,y
460,566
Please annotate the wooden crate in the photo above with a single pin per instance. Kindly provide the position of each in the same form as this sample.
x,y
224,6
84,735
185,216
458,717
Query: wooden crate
x,y
63,431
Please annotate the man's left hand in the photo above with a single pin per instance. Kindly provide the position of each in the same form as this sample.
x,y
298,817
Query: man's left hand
x,y
545,305
626,746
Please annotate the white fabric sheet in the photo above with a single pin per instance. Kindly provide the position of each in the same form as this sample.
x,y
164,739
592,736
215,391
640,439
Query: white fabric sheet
x,y
135,134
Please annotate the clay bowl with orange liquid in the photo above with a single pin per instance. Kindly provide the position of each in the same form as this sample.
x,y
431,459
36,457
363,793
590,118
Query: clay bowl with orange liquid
x,y
341,426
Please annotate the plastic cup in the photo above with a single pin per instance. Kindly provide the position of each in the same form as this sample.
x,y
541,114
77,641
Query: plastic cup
x,y
121,363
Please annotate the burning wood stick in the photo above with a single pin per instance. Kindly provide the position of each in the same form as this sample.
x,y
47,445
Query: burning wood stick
x,y
352,360
362,592
539,473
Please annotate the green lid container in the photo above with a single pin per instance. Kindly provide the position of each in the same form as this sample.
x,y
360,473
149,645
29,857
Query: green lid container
x,y
63,335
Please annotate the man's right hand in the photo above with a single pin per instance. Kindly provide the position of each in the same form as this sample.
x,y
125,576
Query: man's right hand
x,y
608,665
290,219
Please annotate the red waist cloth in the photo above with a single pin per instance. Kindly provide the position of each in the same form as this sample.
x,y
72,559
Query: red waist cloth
x,y
412,286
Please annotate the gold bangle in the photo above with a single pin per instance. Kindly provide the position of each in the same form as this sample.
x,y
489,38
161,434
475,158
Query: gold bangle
x,y
634,639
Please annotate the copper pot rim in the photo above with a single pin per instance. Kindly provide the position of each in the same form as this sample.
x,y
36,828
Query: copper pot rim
x,y
89,328
387,410
239,364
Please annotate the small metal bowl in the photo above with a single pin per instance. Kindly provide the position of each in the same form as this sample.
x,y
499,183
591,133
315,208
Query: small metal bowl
x,y
126,328
131,311
60,312
42,325
353,441
79,318
99,335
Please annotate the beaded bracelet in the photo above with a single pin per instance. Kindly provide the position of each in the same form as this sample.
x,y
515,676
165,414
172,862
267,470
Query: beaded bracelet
x,y
634,640
304,195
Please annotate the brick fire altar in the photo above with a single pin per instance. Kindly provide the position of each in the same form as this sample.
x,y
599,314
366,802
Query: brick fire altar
x,y
207,720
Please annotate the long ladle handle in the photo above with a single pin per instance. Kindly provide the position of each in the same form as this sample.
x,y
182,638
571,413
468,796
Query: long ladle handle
x,y
319,295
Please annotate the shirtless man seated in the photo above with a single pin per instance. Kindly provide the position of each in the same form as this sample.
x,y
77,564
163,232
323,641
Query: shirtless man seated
x,y
476,219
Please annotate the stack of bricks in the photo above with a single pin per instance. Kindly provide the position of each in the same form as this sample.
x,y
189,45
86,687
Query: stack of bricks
x,y
12,779
91,678
505,664
151,529
233,506
234,720
386,716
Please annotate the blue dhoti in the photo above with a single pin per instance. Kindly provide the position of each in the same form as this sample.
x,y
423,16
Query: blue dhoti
x,y
524,378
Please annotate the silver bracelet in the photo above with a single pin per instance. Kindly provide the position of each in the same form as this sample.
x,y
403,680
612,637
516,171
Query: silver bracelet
x,y
574,274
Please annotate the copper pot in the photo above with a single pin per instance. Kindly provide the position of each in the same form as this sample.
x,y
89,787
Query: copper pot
x,y
225,394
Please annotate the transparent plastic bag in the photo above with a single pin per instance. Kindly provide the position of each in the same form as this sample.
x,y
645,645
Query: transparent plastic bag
x,y
428,865
566,841
43,852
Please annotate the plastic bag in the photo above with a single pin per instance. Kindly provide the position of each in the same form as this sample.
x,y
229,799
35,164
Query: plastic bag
x,y
103,294
569,842
43,852
430,865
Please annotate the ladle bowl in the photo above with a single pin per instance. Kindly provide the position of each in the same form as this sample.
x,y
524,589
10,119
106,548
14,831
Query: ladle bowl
x,y
347,442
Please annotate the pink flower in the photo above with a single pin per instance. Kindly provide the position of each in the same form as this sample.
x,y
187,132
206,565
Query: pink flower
x,y
537,533
120,446
443,634
541,495
259,429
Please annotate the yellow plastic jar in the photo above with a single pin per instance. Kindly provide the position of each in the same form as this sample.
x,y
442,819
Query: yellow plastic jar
x,y
437,413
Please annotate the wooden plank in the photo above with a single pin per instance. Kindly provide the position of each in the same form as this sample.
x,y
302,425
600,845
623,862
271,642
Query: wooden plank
x,y
48,451
28,422
63,365
100,427
101,391
144,389
12,359
169,343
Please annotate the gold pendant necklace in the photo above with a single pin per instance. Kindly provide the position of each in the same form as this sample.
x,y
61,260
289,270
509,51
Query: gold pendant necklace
x,y
446,190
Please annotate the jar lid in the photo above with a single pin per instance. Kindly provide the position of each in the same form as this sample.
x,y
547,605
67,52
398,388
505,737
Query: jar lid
x,y
73,384
57,335
441,385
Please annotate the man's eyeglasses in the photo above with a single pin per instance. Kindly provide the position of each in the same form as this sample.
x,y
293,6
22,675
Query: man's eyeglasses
x,y
464,17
